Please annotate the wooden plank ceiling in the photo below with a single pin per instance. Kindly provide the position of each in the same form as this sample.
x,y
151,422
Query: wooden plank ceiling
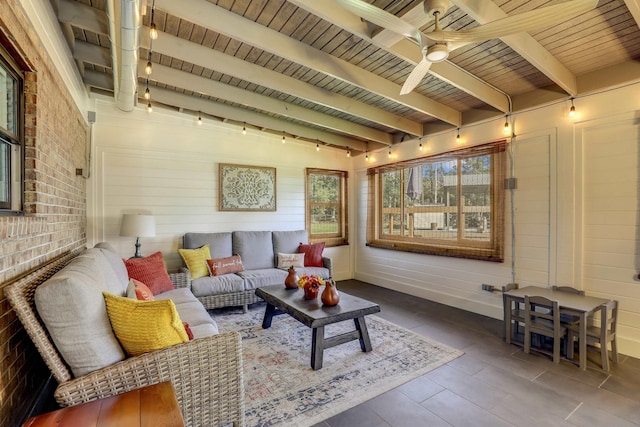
x,y
313,70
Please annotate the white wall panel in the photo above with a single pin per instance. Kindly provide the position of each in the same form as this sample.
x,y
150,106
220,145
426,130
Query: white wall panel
x,y
164,164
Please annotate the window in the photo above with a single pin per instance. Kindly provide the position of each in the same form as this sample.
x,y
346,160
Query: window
x,y
11,152
451,204
326,216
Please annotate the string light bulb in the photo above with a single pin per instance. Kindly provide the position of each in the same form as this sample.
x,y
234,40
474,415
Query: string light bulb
x,y
147,94
199,118
507,126
572,110
366,156
153,30
149,68
458,136
149,107
420,147
348,152
389,153
317,146
283,137
244,128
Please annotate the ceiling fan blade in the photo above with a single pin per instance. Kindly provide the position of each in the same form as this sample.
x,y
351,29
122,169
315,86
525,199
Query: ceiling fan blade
x,y
526,21
379,17
416,75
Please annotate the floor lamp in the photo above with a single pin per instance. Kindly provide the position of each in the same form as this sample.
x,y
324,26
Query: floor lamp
x,y
138,225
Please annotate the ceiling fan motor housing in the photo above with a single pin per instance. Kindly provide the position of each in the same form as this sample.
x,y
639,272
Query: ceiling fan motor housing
x,y
431,7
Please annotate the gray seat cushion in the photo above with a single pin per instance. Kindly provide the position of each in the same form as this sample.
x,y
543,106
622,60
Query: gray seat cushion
x,y
254,279
255,249
217,285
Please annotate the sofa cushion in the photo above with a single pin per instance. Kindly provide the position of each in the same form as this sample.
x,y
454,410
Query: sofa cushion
x,y
72,308
217,285
255,248
196,260
290,260
191,311
287,242
144,326
313,254
322,272
254,279
116,262
151,271
220,266
219,243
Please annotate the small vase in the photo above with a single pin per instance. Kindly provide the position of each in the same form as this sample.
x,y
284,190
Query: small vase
x,y
291,282
330,295
310,292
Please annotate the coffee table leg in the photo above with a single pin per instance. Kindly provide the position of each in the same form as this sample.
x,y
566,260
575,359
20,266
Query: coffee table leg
x,y
268,315
317,347
361,326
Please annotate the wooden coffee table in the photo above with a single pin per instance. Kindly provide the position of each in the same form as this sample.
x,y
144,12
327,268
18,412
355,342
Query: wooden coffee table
x,y
315,315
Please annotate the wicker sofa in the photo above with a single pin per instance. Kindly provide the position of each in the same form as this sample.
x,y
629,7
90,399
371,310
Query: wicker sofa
x,y
259,252
205,372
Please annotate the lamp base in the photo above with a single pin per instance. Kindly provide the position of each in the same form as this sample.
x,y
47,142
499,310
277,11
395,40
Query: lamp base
x,y
137,254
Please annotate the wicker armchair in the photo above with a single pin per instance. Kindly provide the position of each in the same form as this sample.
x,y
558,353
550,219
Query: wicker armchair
x,y
206,373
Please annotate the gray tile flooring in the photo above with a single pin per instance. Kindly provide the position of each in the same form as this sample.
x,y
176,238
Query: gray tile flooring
x,y
493,383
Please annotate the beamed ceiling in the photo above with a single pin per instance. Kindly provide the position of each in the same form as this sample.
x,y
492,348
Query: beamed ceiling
x,y
315,71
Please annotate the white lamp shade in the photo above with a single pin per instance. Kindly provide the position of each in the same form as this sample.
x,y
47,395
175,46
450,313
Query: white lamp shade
x,y
136,225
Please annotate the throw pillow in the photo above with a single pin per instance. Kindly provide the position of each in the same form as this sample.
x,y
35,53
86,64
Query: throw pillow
x,y
288,260
144,326
312,254
187,329
143,293
151,271
220,266
196,261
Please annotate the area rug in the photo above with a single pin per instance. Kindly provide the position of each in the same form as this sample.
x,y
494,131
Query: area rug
x,y
282,389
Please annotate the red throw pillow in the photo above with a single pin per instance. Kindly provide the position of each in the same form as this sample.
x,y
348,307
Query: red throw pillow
x,y
151,271
312,254
187,329
220,266
143,292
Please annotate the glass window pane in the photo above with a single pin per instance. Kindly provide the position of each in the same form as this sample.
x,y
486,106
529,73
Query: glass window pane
x,y
476,196
324,188
324,219
5,172
8,101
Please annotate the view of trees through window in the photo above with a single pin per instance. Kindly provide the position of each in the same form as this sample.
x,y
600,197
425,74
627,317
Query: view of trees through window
x,y
422,201
448,204
327,206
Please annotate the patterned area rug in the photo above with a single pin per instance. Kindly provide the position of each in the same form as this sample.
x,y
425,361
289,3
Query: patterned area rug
x,y
282,389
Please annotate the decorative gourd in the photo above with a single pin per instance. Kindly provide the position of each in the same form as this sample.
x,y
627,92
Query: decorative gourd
x,y
291,282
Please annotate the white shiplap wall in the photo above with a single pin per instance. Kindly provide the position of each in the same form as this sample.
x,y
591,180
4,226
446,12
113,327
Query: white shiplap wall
x,y
165,164
575,213
576,206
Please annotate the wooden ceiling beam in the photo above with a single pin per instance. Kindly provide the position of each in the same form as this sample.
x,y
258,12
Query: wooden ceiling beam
x,y
634,9
408,51
522,43
212,88
240,115
196,54
244,30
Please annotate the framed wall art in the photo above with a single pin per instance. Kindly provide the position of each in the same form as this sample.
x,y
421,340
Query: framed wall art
x,y
247,188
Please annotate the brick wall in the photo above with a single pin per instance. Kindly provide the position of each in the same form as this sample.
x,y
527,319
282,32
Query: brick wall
x,y
56,141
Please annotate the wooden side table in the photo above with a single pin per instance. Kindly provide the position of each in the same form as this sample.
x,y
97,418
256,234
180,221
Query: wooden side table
x,y
150,406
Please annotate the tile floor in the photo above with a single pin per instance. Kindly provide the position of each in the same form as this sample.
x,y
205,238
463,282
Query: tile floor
x,y
493,383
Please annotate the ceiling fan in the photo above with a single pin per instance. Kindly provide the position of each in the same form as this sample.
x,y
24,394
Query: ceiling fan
x,y
444,42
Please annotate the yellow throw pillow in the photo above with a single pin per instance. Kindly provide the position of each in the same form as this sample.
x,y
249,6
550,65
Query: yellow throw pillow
x,y
144,326
196,260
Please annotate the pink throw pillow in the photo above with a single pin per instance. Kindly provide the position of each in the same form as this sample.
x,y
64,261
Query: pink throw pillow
x,y
220,266
151,271
312,254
